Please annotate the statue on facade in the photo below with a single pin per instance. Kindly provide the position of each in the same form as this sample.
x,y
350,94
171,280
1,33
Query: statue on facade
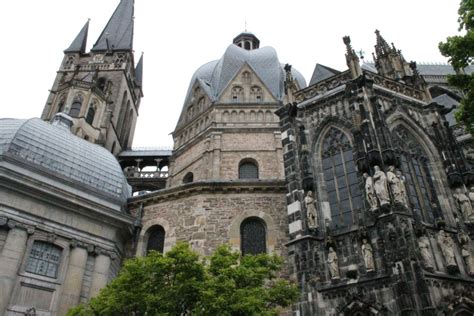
x,y
396,186
368,253
311,213
446,244
425,251
333,264
465,240
370,192
464,205
402,186
380,186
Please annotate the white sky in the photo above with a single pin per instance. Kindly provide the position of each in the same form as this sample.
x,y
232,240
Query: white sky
x,y
178,36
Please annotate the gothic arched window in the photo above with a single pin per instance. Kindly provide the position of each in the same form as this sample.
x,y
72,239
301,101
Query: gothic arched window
x,y
253,236
156,239
90,114
340,177
414,167
188,178
248,170
76,106
101,84
44,259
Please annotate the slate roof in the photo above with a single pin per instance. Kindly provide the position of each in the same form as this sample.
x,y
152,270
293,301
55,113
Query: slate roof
x,y
426,69
78,45
216,75
118,33
146,152
321,73
54,150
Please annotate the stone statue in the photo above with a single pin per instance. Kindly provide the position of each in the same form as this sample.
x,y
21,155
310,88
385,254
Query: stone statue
x,y
333,264
380,186
463,204
311,213
466,255
425,251
396,186
402,186
447,248
370,192
368,254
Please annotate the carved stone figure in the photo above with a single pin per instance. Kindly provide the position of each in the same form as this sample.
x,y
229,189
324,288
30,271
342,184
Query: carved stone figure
x,y
368,253
380,186
464,205
312,215
402,186
466,255
447,248
333,264
425,251
370,192
396,186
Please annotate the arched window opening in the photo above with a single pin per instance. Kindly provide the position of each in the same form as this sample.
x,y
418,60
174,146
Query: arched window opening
x,y
44,259
127,124
256,94
341,179
237,94
90,114
247,45
253,236
101,83
61,104
246,77
76,106
418,180
123,109
248,170
156,239
188,178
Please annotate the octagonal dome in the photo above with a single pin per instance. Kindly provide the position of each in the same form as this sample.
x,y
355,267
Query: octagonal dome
x,y
216,75
53,150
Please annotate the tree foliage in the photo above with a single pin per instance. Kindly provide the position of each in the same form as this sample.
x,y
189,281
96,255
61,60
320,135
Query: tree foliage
x,y
182,283
460,50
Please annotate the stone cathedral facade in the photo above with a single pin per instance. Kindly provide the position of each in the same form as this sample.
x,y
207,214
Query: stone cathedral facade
x,y
360,180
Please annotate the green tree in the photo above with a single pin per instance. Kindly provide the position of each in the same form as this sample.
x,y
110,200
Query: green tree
x,y
460,50
182,283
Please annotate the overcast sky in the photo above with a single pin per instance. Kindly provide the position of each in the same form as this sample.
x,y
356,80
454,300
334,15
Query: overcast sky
x,y
179,36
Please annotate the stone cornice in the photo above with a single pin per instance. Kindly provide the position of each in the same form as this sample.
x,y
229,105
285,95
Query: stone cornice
x,y
203,187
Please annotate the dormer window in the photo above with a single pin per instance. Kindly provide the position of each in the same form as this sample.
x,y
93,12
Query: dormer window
x,y
256,94
237,94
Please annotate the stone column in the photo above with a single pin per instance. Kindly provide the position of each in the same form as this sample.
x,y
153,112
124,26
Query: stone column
x,y
101,273
10,261
71,289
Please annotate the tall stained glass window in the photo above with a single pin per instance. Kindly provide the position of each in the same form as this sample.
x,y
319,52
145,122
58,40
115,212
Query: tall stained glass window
x,y
341,179
414,166
44,259
253,236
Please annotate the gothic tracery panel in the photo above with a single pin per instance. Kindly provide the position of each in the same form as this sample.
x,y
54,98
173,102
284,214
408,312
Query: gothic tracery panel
x,y
341,178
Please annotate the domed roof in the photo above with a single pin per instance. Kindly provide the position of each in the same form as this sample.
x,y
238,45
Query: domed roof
x,y
54,150
216,75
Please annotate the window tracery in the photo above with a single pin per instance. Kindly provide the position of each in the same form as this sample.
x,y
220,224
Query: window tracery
x,y
341,178
91,113
76,106
414,164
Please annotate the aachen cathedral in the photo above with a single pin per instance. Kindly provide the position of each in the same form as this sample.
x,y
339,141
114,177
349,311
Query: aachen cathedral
x,y
362,180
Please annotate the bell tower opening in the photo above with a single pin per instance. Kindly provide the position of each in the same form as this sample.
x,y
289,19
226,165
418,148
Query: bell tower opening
x,y
247,41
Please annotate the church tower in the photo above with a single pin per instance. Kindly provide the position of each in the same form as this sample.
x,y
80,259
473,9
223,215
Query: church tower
x,y
101,89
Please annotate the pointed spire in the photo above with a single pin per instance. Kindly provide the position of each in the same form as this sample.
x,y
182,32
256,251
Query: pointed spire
x,y
118,33
352,59
80,42
381,47
139,72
